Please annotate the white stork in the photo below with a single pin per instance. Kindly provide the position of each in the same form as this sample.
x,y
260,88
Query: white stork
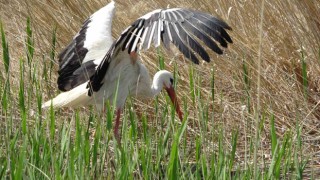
x,y
94,68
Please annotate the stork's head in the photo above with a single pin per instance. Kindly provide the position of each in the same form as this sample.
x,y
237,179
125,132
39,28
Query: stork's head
x,y
165,80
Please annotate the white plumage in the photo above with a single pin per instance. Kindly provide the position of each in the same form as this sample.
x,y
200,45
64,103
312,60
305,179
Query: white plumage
x,y
99,33
78,96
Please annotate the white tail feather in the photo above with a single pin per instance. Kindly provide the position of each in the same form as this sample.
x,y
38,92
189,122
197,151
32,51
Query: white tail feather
x,y
75,97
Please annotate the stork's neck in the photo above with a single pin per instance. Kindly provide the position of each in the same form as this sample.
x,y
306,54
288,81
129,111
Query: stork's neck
x,y
156,87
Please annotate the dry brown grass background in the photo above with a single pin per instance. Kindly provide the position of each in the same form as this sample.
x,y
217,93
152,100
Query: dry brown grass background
x,y
289,27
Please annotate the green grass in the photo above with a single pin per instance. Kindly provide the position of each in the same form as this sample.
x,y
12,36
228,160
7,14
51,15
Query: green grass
x,y
51,145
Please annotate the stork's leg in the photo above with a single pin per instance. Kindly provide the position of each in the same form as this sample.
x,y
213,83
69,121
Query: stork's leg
x,y
116,126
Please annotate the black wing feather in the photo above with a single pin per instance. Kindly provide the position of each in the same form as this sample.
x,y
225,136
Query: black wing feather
x,y
202,36
70,59
193,43
212,32
165,39
96,79
181,46
216,25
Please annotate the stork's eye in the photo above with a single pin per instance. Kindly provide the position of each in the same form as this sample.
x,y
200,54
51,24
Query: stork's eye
x,y
171,80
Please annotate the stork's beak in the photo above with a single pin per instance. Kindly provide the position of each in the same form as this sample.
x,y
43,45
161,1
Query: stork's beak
x,y
174,99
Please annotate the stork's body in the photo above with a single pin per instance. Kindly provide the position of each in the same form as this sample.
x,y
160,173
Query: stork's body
x,y
94,69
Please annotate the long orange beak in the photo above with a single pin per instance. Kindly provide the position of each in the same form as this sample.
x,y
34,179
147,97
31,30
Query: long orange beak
x,y
174,99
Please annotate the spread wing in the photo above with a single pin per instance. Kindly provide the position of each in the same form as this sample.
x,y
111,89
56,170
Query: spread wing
x,y
78,61
183,28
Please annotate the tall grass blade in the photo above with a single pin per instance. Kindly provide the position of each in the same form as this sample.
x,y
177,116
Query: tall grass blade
x,y
22,100
173,169
212,85
280,156
273,162
39,99
52,123
246,80
132,118
192,85
6,62
3,168
71,160
19,169
160,59
96,143
110,115
29,42
145,129
204,168
64,144
53,49
198,156
5,49
274,140
299,163
257,115
233,149
304,74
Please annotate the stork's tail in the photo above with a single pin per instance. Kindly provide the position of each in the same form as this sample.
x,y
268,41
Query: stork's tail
x,y
75,97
